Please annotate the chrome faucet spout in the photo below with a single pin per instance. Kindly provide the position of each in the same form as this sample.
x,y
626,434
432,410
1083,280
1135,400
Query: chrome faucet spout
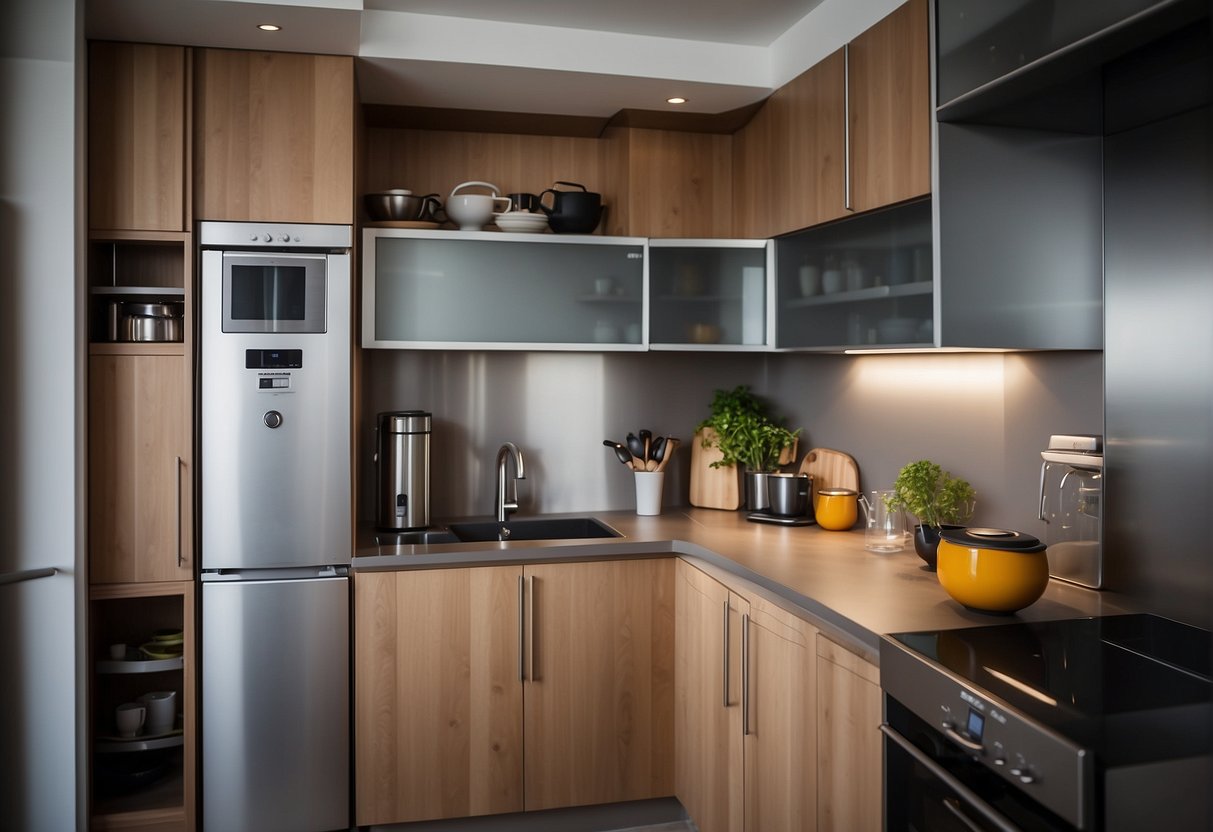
x,y
505,501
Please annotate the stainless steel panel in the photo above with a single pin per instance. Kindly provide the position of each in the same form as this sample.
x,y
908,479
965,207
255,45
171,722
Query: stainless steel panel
x,y
275,705
276,235
275,496
1019,238
1158,457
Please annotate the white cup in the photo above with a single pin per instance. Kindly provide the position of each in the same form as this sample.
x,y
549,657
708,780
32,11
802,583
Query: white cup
x,y
832,281
161,710
810,280
129,717
648,491
472,211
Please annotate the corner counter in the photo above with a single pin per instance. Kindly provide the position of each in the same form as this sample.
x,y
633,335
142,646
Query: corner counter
x,y
828,577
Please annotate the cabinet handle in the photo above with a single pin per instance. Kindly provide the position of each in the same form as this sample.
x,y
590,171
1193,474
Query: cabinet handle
x,y
846,127
726,653
531,632
180,560
745,675
521,629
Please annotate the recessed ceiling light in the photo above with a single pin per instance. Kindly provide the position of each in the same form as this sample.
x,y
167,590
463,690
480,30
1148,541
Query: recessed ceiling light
x,y
269,27
676,100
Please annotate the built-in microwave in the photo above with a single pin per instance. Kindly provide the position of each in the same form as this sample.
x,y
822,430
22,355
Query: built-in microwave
x,y
273,292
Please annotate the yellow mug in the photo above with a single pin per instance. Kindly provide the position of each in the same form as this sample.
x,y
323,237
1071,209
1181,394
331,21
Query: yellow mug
x,y
835,508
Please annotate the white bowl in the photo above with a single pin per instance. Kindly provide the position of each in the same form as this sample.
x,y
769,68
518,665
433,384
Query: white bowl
x,y
469,211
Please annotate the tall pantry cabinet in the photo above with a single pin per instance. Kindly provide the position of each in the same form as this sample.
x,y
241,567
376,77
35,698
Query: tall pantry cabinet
x,y
141,445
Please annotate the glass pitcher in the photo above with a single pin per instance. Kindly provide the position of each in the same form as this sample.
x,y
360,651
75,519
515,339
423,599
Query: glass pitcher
x,y
885,528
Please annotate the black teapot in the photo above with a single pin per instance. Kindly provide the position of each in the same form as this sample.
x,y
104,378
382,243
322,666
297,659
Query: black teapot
x,y
572,212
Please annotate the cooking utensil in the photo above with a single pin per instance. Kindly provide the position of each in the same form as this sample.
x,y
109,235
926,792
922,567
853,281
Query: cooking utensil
x,y
657,448
992,570
635,446
572,212
671,445
712,487
788,494
646,438
620,451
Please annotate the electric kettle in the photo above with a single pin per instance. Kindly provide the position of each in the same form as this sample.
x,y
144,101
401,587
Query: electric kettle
x,y
1071,497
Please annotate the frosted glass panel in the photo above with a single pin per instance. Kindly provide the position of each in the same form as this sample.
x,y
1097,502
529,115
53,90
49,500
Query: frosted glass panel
x,y
708,295
507,292
866,281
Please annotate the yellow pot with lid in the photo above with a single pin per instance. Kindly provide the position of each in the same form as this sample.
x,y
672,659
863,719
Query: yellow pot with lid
x,y
992,570
835,508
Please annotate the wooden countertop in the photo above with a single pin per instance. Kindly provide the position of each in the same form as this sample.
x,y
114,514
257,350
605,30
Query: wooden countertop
x,y
854,594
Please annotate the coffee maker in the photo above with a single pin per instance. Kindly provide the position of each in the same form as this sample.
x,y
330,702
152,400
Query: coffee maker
x,y
1071,498
402,462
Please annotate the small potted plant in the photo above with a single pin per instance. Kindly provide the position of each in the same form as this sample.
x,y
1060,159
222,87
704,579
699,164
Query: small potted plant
x,y
936,498
741,429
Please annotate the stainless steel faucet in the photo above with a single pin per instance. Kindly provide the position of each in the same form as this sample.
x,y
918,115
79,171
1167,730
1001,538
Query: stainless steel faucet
x,y
504,504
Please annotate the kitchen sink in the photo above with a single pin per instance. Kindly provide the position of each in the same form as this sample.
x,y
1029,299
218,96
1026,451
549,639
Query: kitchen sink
x,y
554,528
414,538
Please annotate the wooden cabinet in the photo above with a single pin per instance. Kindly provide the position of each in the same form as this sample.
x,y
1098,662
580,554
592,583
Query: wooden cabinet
x,y
788,164
141,468
274,136
849,761
143,782
708,744
744,721
600,690
444,659
138,106
849,134
890,109
437,694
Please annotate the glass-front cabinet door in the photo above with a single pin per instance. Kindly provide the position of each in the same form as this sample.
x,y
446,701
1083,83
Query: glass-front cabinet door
x,y
863,282
710,294
488,290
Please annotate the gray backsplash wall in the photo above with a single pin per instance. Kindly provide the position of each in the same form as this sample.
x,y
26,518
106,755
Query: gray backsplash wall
x,y
983,416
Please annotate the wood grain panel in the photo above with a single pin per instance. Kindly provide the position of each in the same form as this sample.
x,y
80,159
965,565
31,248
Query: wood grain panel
x,y
813,151
437,694
848,741
708,772
137,137
712,487
679,184
274,136
599,703
780,758
755,195
891,109
140,497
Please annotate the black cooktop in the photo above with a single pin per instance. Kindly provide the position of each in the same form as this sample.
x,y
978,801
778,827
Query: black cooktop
x,y
1118,684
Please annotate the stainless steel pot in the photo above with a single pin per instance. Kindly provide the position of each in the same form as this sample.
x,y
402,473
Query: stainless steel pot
x,y
145,322
403,206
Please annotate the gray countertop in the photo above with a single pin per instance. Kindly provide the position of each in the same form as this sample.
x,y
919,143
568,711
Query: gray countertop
x,y
856,595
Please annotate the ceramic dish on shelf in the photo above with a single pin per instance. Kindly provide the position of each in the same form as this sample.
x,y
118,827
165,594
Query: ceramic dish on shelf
x,y
160,650
522,222
171,634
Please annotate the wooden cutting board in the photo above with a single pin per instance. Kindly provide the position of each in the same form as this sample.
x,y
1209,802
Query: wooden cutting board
x,y
830,469
712,487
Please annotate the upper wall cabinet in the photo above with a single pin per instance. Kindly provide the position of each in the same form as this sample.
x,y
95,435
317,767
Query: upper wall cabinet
x,y
889,110
274,137
137,150
850,134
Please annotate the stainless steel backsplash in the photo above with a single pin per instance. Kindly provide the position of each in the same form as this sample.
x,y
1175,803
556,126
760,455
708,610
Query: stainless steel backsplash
x,y
983,416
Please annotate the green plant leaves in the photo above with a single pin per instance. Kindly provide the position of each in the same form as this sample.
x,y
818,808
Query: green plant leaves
x,y
745,434
932,494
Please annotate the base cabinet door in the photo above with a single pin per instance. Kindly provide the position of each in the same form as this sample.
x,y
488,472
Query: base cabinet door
x,y
140,468
849,761
707,716
780,721
600,689
437,694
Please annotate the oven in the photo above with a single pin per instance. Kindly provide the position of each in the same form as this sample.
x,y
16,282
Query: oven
x,y
1085,724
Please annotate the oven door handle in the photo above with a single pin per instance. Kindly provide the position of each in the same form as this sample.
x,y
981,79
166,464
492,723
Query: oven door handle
x,y
962,791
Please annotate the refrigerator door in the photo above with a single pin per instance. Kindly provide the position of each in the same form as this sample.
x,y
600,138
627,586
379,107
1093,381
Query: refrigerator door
x,y
275,705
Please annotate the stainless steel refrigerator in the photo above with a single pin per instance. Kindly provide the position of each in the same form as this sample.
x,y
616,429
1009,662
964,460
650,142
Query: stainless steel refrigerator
x,y
276,531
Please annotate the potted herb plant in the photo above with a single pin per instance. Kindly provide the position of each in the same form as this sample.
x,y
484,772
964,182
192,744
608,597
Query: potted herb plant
x,y
936,498
741,428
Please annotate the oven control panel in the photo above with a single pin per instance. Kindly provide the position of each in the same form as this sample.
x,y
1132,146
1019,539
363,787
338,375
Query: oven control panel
x,y
1050,768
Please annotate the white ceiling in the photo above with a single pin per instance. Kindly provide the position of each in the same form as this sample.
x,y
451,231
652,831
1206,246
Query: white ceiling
x,y
569,57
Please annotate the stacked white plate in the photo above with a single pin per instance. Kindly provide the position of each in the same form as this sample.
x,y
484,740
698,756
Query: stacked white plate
x,y
522,222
